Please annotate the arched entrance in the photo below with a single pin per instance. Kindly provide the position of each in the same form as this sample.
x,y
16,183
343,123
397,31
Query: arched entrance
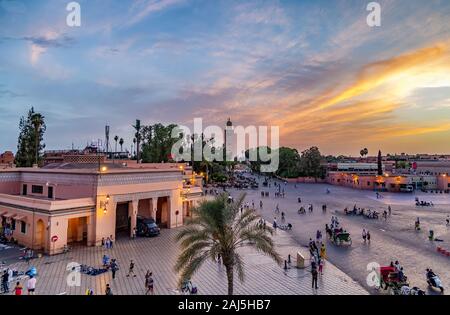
x,y
39,237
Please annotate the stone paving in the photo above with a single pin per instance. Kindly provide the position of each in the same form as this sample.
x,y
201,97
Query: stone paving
x,y
394,239
158,254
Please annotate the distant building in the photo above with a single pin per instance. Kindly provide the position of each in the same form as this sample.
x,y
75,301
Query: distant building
x,y
6,159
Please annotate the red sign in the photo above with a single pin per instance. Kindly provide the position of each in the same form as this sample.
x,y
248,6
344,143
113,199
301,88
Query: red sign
x,y
54,238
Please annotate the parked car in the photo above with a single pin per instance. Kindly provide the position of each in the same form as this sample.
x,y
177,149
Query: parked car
x,y
146,227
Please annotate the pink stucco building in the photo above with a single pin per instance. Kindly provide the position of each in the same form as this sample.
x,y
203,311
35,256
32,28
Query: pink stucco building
x,y
47,209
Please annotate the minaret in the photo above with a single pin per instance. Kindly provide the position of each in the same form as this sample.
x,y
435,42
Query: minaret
x,y
228,149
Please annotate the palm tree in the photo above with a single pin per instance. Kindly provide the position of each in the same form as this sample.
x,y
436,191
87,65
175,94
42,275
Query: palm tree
x,y
364,152
121,144
115,139
217,228
37,120
137,127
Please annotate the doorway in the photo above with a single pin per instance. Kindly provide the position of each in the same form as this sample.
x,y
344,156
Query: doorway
x,y
122,219
39,238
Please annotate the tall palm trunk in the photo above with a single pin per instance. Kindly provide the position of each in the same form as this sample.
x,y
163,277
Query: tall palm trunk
x,y
230,277
36,145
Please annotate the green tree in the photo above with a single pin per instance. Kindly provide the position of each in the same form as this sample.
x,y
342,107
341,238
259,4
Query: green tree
x,y
364,152
217,228
157,143
121,144
255,164
311,163
379,164
116,138
31,135
137,135
289,165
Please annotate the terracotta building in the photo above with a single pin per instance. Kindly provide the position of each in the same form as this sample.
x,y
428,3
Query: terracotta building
x,y
48,208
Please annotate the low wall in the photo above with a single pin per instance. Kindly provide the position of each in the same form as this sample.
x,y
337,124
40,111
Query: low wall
x,y
306,180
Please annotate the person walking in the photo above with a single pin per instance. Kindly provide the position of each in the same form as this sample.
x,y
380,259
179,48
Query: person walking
x,y
31,285
389,210
147,277
364,235
18,289
5,282
108,290
131,269
260,204
275,223
368,236
114,267
318,236
149,280
105,260
107,243
447,220
314,274
323,252
111,241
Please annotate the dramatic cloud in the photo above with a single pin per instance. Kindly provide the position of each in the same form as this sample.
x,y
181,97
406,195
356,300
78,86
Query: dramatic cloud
x,y
316,70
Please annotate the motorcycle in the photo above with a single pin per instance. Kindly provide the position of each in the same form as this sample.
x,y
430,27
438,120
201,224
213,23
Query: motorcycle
x,y
434,281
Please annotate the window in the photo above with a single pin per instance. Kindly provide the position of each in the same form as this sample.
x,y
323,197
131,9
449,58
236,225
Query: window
x,y
37,189
50,192
24,190
368,183
23,227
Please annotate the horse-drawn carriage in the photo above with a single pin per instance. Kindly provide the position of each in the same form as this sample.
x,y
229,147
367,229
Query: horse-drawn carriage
x,y
339,236
392,280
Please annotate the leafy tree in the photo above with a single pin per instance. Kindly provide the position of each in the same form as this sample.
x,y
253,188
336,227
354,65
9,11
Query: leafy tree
x,y
311,163
217,228
256,165
137,135
289,165
116,138
364,152
121,144
157,143
31,135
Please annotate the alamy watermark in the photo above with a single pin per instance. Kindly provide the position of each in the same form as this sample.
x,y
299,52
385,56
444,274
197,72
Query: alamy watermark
x,y
186,148
73,19
373,279
73,279
374,17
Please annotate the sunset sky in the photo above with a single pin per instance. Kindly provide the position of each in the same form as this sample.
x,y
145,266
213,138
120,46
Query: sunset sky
x,y
314,68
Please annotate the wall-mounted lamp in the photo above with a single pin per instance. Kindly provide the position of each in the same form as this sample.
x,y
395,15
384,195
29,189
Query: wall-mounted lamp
x,y
104,204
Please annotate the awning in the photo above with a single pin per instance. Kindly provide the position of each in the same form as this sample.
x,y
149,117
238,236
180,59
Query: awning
x,y
3,213
20,218
9,215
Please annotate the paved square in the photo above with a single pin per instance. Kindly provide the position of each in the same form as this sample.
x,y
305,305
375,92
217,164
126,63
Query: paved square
x,y
158,254
393,239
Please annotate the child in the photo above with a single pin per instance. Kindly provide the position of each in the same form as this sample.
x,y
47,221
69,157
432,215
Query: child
x,y
18,289
321,266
